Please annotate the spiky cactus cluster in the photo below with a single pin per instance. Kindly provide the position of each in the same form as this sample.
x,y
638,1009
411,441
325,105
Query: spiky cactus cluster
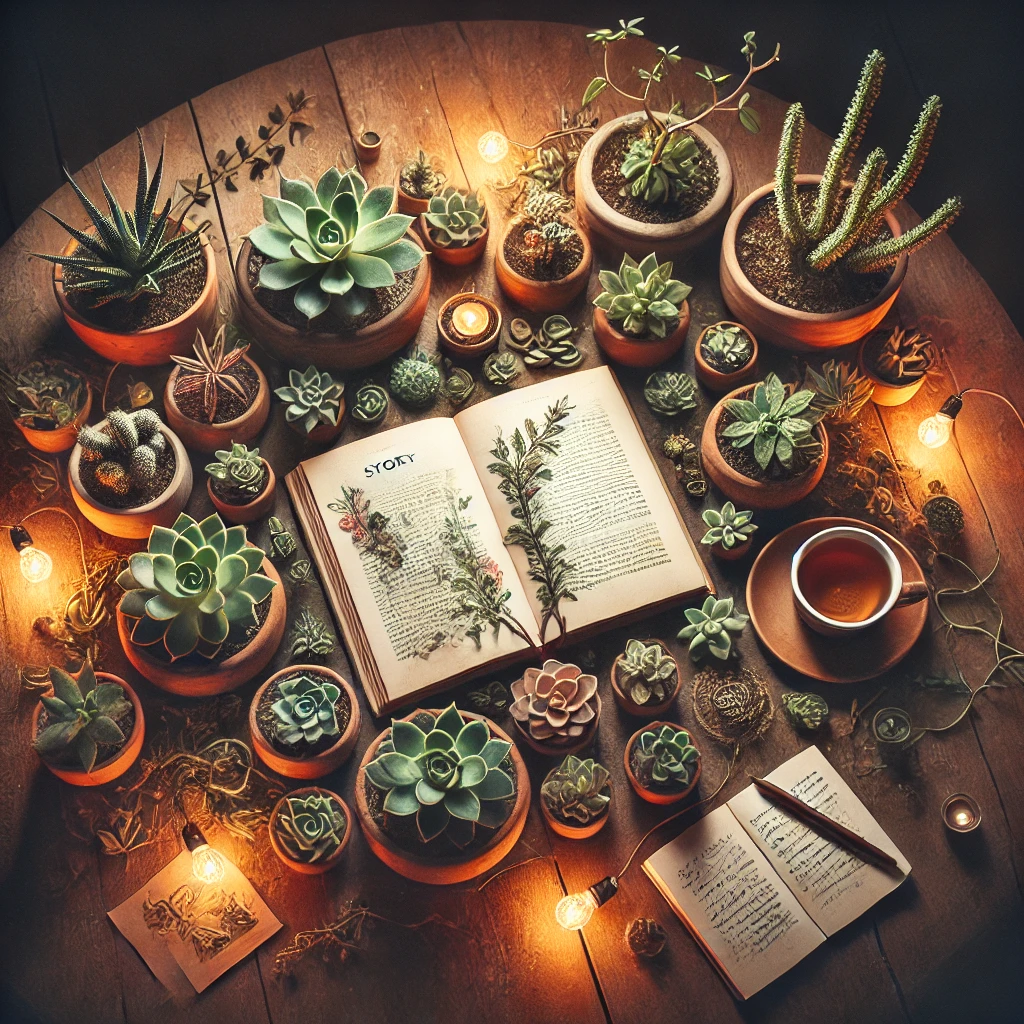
x,y
127,452
843,225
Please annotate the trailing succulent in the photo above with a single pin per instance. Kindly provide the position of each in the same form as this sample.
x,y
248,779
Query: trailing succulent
x,y
129,253
577,791
336,241
80,716
45,395
842,228
555,702
240,468
709,628
727,526
904,356
195,582
840,390
310,827
419,177
665,757
666,180
456,219
449,777
208,372
648,671
305,710
126,451
643,297
670,394
313,398
729,347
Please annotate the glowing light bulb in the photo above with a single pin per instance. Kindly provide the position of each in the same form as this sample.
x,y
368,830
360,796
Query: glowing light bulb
x,y
575,910
36,565
207,863
493,147
935,430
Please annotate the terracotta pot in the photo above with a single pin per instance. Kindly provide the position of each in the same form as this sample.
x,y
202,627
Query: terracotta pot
x,y
793,328
613,233
550,748
323,433
301,866
455,256
209,437
217,676
627,703
411,206
368,147
467,349
261,505
328,351
541,296
135,523
318,765
733,554
715,380
62,438
154,345
744,491
652,797
573,831
621,348
113,767
887,393
451,869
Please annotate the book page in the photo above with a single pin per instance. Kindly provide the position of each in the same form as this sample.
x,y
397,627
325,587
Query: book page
x,y
593,522
832,883
730,898
434,587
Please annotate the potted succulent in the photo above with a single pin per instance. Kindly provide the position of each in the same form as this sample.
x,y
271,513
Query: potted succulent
x,y
86,731
241,484
542,262
575,797
203,611
764,447
135,286
729,531
309,829
557,708
841,390
658,181
814,261
304,721
725,356
710,628
642,316
217,397
454,228
419,180
129,473
332,275
442,796
645,679
49,402
315,404
896,363
662,764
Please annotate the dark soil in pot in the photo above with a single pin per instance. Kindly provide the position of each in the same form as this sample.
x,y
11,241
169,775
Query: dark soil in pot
x,y
566,259
229,405
743,461
136,497
265,719
67,758
234,496
872,346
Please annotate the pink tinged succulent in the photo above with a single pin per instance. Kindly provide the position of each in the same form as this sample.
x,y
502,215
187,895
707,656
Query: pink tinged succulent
x,y
555,700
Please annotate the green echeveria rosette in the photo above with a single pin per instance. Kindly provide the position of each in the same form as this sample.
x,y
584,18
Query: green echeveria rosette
x,y
666,757
370,404
643,297
311,827
312,398
710,627
305,710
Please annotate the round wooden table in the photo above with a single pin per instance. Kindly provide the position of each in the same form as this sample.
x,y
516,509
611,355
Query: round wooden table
x,y
943,944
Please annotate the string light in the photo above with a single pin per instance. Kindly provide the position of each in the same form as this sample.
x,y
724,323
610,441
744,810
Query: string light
x,y
36,565
492,147
207,863
934,431
575,910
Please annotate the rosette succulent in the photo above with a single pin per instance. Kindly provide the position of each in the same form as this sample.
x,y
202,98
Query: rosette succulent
x,y
311,827
305,711
371,404
555,702
669,393
241,468
456,219
648,671
728,347
664,180
727,527
577,791
710,627
126,450
195,582
643,297
313,398
449,776
665,757
336,241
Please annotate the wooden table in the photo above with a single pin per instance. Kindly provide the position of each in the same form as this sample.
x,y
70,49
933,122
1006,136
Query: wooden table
x,y
948,943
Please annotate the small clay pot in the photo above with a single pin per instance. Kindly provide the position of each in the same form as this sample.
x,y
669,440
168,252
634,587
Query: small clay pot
x,y
733,554
411,206
209,437
650,795
541,296
885,392
453,345
322,433
317,765
61,438
623,699
261,505
621,348
453,255
551,748
368,147
716,380
305,867
573,831
119,763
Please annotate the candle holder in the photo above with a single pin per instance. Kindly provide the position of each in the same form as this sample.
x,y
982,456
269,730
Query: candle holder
x,y
961,813
368,147
468,325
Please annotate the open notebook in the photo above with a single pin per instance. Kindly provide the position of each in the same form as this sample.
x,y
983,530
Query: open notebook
x,y
759,890
450,547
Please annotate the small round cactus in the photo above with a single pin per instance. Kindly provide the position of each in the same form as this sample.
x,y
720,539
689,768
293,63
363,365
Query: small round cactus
x,y
127,450
415,380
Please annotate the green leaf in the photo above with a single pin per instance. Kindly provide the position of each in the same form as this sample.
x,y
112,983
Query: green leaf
x,y
431,821
104,729
496,785
450,721
381,233
286,274
65,688
596,87
462,803
370,271
495,751
473,770
402,769
408,738
472,738
402,801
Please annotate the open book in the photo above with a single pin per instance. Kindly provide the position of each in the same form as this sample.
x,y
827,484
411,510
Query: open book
x,y
450,547
759,890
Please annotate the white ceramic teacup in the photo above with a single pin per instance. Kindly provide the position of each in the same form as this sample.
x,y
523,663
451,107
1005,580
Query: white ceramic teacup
x,y
899,593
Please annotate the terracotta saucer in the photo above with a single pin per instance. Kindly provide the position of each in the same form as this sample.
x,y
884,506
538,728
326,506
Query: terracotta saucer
x,y
773,614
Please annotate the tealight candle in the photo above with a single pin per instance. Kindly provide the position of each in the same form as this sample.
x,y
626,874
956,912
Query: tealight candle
x,y
468,324
961,813
470,320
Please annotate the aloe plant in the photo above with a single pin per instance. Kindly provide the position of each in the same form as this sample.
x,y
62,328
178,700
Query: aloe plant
x,y
643,297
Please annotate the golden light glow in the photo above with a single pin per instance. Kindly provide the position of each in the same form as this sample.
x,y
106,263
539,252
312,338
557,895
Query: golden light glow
x,y
493,147
470,319
207,864
36,565
935,430
575,910
962,817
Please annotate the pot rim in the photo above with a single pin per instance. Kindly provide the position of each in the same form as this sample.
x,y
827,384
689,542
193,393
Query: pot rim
x,y
305,865
581,271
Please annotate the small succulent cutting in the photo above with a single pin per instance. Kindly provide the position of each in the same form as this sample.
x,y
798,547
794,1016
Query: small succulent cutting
x,y
310,827
208,373
501,368
665,757
728,347
45,394
415,380
419,177
126,451
664,180
449,777
727,526
305,710
669,393
456,219
648,671
555,702
313,398
577,791
711,626
805,710
904,356
840,390
643,297
240,468
311,636
370,404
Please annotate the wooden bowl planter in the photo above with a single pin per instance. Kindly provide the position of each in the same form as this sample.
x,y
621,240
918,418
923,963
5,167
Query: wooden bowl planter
x,y
621,348
794,328
324,349
446,869
613,233
213,677
135,523
117,764
541,296
885,392
661,797
154,345
209,437
453,255
316,765
303,867
626,702
745,491
59,439
567,831
716,380
260,506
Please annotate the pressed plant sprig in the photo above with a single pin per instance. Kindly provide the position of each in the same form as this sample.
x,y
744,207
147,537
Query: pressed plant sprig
x,y
208,374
